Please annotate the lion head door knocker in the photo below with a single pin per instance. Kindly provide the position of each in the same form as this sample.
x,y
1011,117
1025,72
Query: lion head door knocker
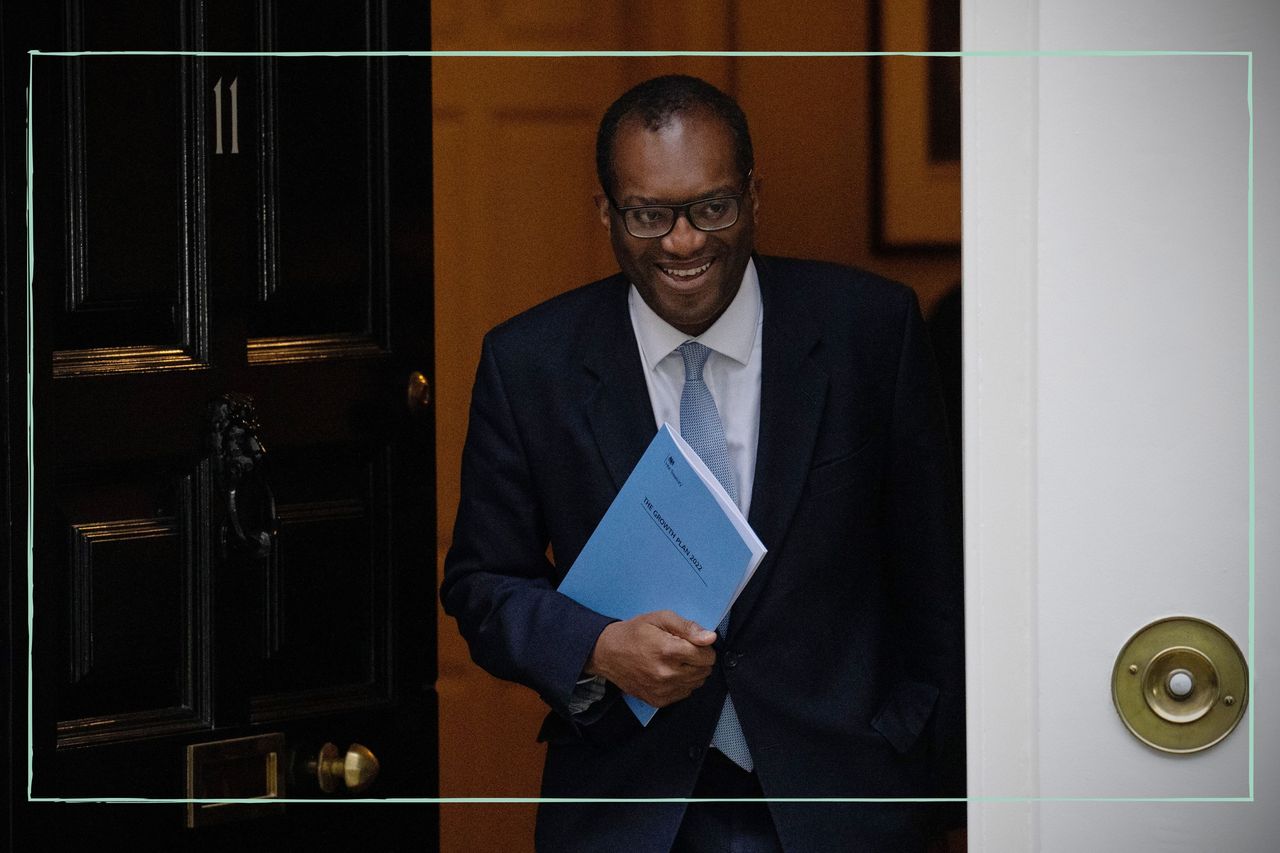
x,y
240,471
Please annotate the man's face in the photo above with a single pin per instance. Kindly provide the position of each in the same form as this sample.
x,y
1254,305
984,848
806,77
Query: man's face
x,y
689,276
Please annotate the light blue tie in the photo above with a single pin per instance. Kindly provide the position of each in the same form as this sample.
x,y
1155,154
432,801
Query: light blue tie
x,y
701,427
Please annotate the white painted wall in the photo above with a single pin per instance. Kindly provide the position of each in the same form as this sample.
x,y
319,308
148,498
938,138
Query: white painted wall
x,y
1107,408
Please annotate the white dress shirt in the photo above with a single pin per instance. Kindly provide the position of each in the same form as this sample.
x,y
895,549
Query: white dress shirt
x,y
732,371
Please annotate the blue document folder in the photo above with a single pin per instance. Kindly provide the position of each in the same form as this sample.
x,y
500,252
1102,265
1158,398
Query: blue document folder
x,y
671,540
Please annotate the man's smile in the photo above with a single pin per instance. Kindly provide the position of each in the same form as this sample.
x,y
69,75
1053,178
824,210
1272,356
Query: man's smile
x,y
682,273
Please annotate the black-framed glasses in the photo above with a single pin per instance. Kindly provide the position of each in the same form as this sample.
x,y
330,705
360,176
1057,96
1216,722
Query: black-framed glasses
x,y
648,221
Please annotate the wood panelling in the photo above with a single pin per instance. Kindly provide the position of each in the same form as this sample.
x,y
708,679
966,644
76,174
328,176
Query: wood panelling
x,y
325,603
811,122
153,299
99,549
291,348
517,20
133,639
323,248
318,267
543,230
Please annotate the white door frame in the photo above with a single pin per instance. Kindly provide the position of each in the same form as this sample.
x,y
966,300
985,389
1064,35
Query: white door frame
x,y
999,269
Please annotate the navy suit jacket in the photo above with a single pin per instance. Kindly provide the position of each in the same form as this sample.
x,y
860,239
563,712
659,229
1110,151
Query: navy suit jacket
x,y
845,656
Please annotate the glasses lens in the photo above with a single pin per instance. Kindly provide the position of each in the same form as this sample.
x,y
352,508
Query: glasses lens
x,y
649,221
714,213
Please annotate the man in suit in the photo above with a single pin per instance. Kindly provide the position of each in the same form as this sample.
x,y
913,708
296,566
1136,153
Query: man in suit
x,y
839,671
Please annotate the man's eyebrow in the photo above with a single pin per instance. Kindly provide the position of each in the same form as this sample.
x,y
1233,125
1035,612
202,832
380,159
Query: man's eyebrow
x,y
644,200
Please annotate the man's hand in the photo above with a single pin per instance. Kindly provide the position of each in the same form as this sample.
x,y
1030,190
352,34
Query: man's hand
x,y
659,657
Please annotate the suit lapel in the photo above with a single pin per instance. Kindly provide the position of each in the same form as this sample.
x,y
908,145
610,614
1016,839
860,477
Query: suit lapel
x,y
793,390
618,407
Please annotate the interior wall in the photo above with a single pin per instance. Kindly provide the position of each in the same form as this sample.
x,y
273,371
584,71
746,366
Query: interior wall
x,y
515,224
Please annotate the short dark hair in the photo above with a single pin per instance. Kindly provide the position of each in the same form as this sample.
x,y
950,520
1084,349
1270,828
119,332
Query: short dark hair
x,y
654,102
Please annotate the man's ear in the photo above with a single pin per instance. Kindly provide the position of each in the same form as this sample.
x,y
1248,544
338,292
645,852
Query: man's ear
x,y
755,196
602,207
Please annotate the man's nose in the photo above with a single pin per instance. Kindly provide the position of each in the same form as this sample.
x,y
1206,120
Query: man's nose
x,y
683,238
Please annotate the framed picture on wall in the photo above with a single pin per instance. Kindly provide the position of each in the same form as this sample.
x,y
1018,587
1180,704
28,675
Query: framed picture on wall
x,y
916,126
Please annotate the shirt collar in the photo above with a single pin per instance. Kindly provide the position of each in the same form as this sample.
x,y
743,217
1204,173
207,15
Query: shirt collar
x,y
733,334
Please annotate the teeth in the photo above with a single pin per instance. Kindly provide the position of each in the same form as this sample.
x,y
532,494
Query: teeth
x,y
687,273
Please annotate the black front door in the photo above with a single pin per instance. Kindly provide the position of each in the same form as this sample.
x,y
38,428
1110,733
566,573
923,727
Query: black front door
x,y
233,483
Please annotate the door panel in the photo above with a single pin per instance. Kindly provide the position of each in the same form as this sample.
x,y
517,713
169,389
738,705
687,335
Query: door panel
x,y
205,226
128,677
322,274
325,605
145,297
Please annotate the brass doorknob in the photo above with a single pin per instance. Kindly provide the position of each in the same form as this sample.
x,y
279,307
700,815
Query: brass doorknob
x,y
419,392
355,771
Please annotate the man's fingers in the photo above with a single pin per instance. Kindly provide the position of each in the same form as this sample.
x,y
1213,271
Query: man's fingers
x,y
686,629
660,657
672,688
679,652
702,657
